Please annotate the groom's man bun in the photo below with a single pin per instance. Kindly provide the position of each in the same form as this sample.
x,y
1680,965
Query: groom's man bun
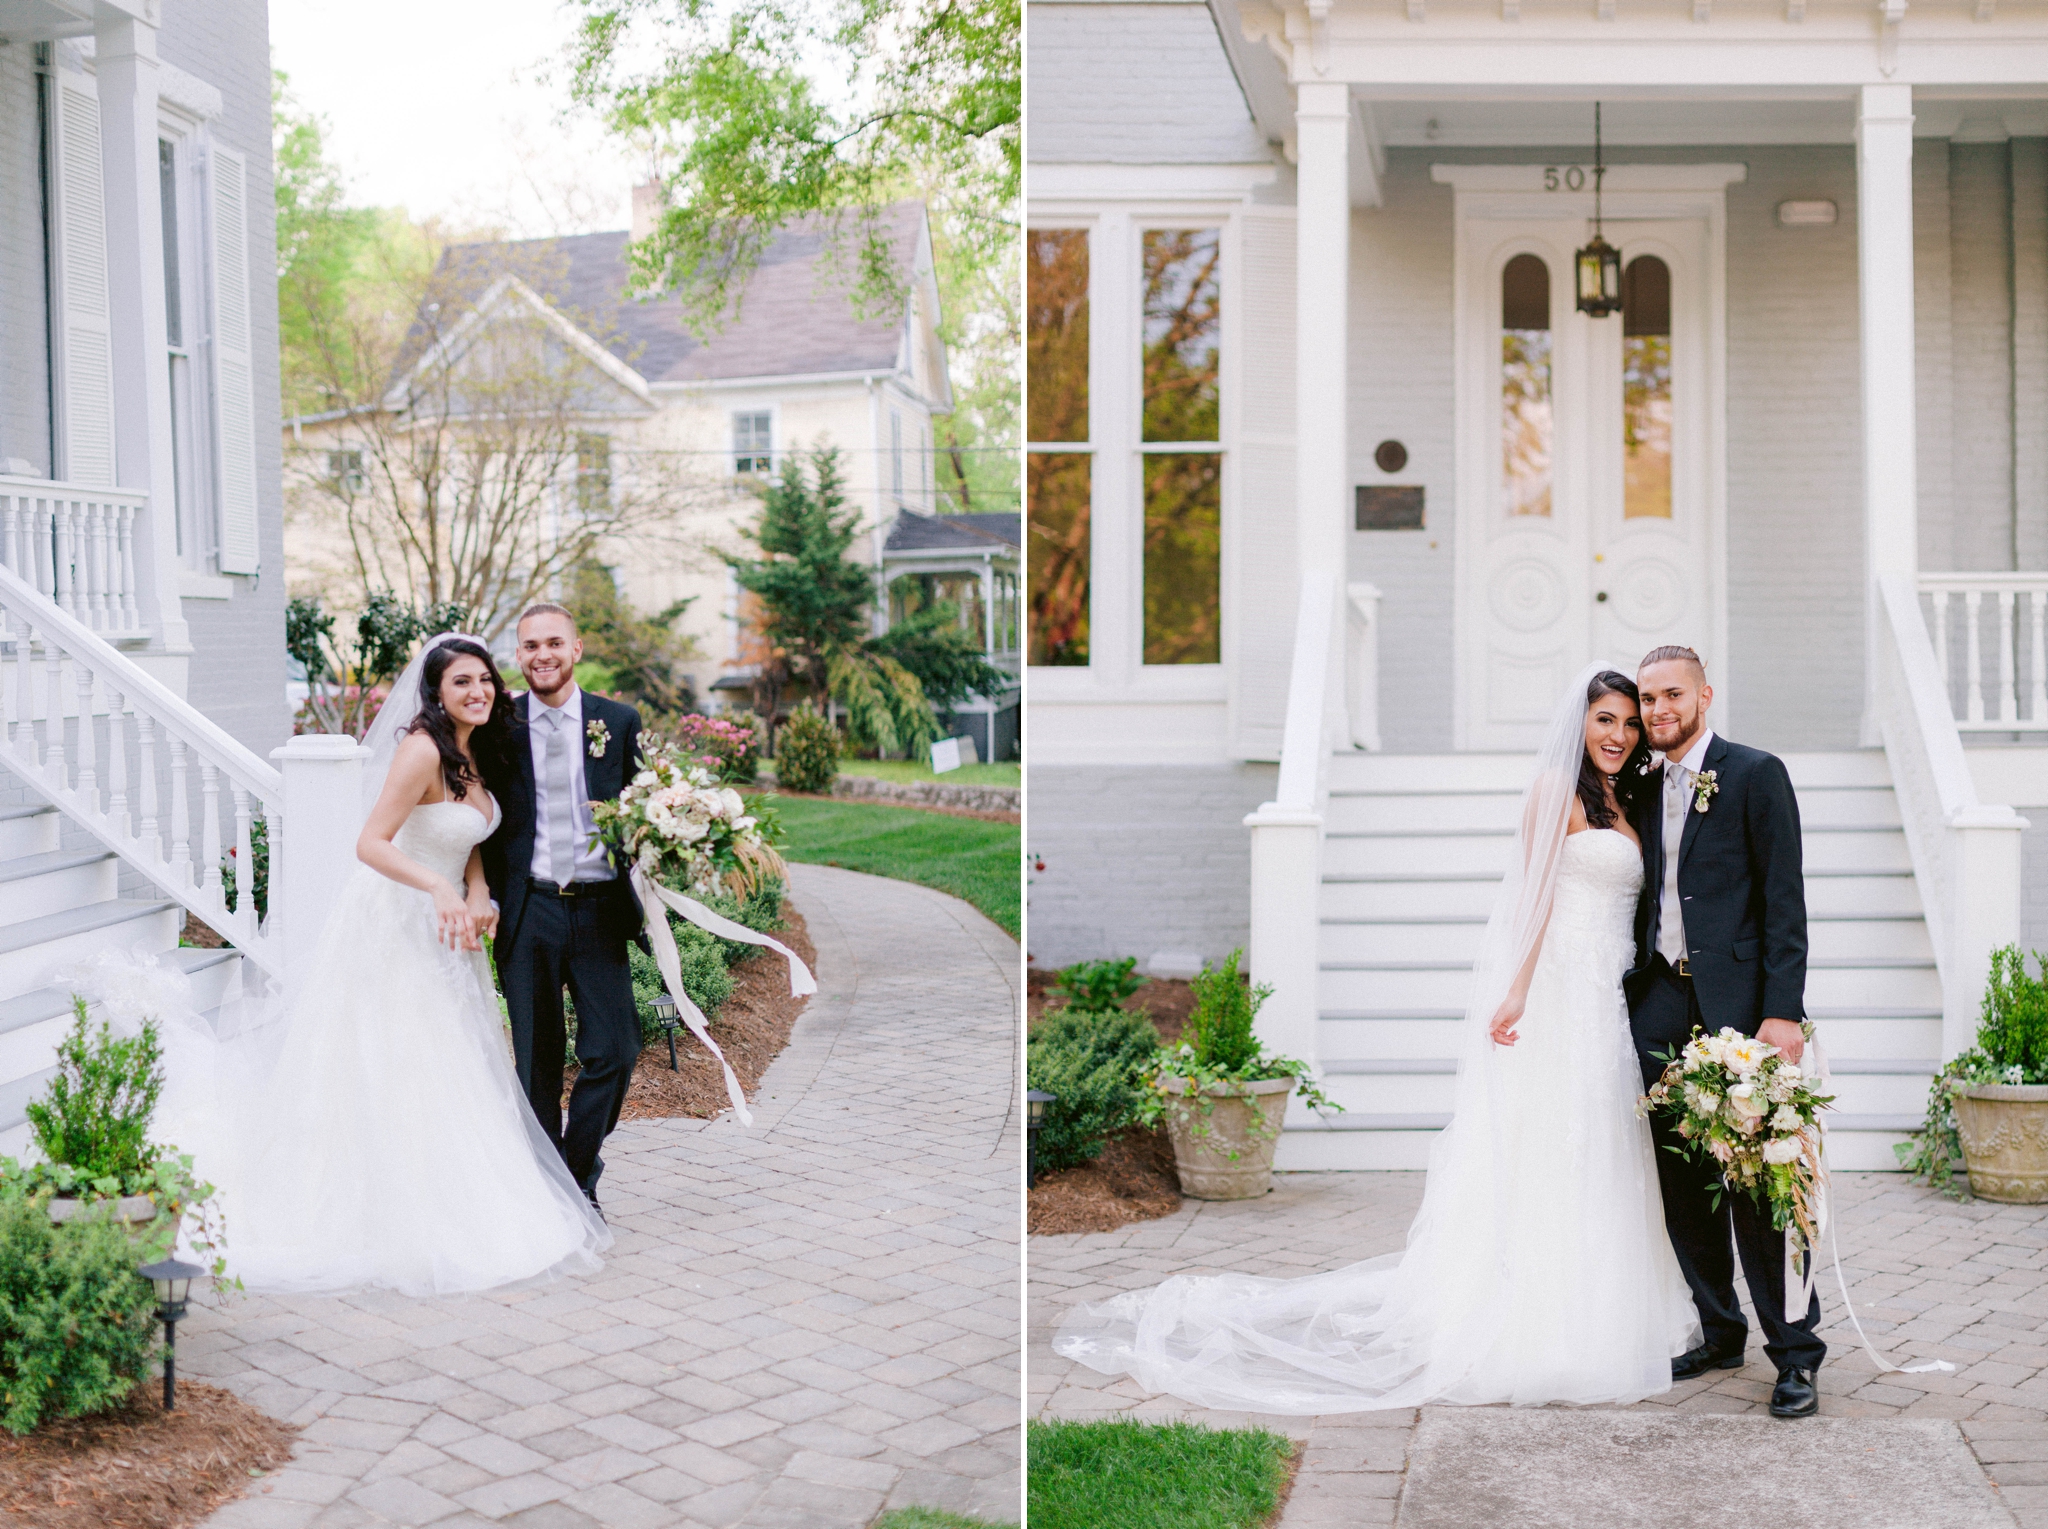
x,y
1669,653
545,608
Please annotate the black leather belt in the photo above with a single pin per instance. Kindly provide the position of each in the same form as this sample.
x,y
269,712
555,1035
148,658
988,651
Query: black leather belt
x,y
572,890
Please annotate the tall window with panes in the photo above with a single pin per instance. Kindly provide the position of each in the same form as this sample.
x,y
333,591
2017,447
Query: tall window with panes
x,y
753,443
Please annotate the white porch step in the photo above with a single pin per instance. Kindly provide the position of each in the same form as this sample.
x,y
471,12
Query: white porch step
x,y
57,881
1413,851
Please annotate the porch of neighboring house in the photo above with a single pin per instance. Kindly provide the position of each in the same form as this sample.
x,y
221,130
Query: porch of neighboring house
x,y
971,563
1811,440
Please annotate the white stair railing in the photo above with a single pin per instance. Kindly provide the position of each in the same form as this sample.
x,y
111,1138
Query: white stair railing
x,y
122,755
1991,648
1966,853
75,545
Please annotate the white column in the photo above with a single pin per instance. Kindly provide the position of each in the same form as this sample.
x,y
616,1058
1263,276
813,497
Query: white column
x,y
1884,242
126,65
1322,273
323,815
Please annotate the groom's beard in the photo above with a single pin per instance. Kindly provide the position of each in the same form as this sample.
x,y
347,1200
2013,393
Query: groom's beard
x,y
1677,739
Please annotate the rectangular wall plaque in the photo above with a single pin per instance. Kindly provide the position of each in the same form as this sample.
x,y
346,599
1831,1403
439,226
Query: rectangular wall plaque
x,y
1389,507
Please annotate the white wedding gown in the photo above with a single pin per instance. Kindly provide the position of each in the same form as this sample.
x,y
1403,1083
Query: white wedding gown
x,y
375,1133
1537,1270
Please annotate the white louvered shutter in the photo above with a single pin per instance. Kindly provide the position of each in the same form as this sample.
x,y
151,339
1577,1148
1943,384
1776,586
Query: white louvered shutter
x,y
234,382
85,341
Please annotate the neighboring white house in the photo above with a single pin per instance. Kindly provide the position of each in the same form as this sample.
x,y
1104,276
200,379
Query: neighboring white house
x,y
141,530
798,367
972,562
1421,488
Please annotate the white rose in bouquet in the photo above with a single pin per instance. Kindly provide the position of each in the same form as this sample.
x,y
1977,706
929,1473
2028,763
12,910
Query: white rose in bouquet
x,y
1786,1119
1744,1055
1783,1149
1745,1110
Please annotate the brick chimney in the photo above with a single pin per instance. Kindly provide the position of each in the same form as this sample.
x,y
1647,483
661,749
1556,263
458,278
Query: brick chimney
x,y
646,208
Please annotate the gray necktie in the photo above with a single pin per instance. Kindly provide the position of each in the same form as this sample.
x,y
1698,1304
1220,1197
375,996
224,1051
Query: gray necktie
x,y
561,804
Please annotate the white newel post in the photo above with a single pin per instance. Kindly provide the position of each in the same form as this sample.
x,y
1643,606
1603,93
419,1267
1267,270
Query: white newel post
x,y
1983,915
323,814
1884,241
126,65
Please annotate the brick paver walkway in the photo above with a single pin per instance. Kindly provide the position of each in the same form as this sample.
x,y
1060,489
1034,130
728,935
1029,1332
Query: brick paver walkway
x,y
1931,1279
800,1325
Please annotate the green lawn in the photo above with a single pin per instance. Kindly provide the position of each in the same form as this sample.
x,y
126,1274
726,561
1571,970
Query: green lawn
x,y
972,859
1011,774
1153,1476
933,1518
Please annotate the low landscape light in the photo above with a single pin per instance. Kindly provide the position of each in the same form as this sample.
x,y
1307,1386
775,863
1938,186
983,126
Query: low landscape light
x,y
1035,1101
665,1016
173,1280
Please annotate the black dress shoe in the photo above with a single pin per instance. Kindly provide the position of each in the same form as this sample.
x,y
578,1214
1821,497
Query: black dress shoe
x,y
1697,1361
1794,1395
596,1207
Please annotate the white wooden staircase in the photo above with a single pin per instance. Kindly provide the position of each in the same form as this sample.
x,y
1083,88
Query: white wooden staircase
x,y
1413,851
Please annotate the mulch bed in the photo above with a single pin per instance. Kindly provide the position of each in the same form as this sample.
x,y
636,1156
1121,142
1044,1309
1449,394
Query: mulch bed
x,y
139,1467
751,1030
1134,1178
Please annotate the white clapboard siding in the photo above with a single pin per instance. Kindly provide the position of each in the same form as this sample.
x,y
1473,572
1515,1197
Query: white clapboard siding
x,y
234,383
85,345
1259,603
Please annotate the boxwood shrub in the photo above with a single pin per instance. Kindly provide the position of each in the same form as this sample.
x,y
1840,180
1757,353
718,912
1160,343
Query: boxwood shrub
x,y
77,1324
1092,1059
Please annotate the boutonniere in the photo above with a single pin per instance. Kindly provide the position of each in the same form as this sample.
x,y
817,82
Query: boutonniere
x,y
1704,786
600,738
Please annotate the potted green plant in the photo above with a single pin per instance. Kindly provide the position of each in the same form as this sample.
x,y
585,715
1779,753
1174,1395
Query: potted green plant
x,y
91,1126
1988,1109
1222,1095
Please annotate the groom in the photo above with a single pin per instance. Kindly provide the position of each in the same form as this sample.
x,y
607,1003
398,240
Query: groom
x,y
1720,941
566,915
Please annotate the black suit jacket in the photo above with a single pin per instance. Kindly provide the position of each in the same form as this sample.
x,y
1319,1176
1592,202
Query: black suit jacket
x,y
1741,887
508,853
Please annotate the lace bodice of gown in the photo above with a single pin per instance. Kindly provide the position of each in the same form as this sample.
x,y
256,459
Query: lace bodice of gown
x,y
440,835
1592,919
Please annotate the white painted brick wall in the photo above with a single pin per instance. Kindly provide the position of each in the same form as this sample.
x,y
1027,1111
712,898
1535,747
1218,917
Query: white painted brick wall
x,y
2030,349
1134,84
1934,346
1140,860
1981,319
238,661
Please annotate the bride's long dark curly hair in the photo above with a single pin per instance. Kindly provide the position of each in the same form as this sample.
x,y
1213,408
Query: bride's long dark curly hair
x,y
488,741
1592,780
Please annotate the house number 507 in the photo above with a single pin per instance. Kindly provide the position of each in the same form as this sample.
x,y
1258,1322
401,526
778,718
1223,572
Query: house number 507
x,y
1569,178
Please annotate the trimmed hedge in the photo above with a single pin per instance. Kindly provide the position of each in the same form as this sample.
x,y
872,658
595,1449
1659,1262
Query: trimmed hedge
x,y
77,1324
807,749
1092,1060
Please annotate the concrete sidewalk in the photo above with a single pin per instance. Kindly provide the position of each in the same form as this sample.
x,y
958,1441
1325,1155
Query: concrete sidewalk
x,y
1930,1278
800,1324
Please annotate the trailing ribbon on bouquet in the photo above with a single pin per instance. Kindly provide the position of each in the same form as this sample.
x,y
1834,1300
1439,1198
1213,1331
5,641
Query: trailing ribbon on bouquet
x,y
1814,1217
655,902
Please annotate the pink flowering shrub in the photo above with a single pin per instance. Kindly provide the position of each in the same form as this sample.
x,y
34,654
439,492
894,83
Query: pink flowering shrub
x,y
727,749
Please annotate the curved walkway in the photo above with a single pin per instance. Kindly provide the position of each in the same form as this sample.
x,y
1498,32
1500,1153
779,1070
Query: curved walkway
x,y
800,1325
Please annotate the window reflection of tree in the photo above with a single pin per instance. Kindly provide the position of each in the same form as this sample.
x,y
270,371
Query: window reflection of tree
x,y
1183,323
1056,409
1183,557
1646,389
1525,397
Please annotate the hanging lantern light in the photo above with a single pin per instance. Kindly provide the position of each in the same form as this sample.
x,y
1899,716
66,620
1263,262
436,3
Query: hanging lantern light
x,y
1599,263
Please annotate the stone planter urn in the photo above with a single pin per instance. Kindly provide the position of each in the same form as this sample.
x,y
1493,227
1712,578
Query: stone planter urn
x,y
2004,1128
134,1211
1218,1153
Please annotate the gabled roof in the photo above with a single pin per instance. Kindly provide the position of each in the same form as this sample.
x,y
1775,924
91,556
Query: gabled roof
x,y
796,317
945,533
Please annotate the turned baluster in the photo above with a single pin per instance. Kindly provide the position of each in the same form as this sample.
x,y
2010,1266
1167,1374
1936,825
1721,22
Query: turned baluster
x,y
2037,701
117,765
45,528
2008,684
88,745
131,619
150,838
181,815
65,591
1973,601
245,865
25,695
53,714
209,827
96,524
1939,598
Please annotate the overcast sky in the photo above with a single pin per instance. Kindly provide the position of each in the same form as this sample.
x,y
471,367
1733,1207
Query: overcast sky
x,y
439,106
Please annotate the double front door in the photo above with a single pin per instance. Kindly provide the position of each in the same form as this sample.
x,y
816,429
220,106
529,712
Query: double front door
x,y
1586,495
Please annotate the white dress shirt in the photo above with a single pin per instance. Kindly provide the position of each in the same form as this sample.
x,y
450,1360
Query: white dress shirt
x,y
1678,801
592,864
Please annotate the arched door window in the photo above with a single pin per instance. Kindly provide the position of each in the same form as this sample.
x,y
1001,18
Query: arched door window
x,y
1646,389
1526,416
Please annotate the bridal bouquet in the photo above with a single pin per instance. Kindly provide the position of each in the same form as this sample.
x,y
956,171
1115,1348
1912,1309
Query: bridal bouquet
x,y
1757,1114
676,824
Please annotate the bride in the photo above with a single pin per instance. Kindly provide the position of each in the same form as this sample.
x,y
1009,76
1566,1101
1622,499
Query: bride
x,y
1538,1269
375,1132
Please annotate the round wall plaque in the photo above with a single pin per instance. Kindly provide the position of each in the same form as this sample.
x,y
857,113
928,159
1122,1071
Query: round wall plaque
x,y
1390,456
